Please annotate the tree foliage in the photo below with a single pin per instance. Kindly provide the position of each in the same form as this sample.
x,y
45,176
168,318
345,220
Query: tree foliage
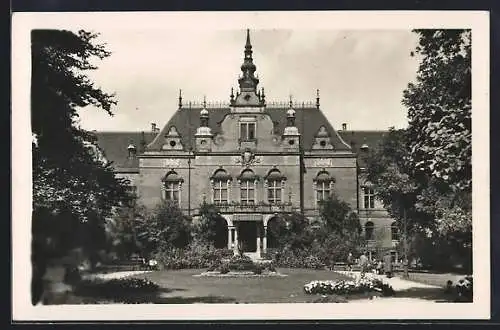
x,y
74,188
423,173
211,227
165,227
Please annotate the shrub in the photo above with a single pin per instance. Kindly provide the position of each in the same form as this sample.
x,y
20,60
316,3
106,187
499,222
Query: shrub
x,y
196,255
122,290
224,269
258,269
241,263
464,289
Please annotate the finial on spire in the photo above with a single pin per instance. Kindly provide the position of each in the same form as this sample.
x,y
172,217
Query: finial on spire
x,y
263,96
180,98
291,102
231,96
248,44
317,98
204,101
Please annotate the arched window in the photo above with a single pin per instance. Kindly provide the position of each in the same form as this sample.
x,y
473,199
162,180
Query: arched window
x,y
248,182
323,186
369,227
220,187
275,183
172,187
394,231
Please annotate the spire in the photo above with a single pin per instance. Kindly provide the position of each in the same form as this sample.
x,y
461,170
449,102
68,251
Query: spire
x,y
317,98
248,81
231,97
291,102
180,98
204,101
263,97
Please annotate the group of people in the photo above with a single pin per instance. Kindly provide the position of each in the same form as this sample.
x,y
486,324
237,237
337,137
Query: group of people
x,y
382,266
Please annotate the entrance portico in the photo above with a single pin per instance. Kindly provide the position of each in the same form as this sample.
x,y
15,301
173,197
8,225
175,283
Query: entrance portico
x,y
248,233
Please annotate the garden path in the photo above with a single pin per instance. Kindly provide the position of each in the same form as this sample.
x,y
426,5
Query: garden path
x,y
397,283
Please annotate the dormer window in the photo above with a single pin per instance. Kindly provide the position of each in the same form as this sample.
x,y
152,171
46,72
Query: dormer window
x,y
247,131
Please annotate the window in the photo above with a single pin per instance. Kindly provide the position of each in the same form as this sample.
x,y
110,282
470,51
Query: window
x,y
247,192
369,198
220,187
274,192
247,131
275,182
323,182
322,191
369,230
394,231
172,187
172,191
220,192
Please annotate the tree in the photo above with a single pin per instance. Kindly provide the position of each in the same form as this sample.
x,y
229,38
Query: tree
x,y
165,227
340,230
211,228
74,188
422,174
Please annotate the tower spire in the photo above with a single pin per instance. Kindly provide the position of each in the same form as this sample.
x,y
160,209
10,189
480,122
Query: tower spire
x,y
317,98
248,81
180,98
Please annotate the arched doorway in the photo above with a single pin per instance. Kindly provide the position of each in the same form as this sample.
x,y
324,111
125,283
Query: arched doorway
x,y
221,235
275,227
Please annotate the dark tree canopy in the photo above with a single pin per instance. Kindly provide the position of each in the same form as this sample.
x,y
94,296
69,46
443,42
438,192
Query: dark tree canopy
x,y
74,188
424,171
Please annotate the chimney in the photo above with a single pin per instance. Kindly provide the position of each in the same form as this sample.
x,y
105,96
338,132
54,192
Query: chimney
x,y
344,126
153,127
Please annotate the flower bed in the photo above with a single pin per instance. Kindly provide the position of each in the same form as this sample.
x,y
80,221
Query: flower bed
x,y
241,266
346,287
127,290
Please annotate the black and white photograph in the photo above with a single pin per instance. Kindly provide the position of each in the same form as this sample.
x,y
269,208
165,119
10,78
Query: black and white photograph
x,y
259,165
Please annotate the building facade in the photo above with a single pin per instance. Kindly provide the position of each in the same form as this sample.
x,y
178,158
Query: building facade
x,y
255,160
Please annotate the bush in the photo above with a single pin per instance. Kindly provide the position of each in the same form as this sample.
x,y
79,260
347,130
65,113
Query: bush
x,y
196,255
127,290
224,269
241,263
258,269
297,259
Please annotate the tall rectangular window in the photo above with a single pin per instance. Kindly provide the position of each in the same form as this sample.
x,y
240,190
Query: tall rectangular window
x,y
247,193
172,191
220,192
247,131
274,192
369,198
322,191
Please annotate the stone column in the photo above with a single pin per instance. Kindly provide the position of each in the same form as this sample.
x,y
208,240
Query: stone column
x,y
235,249
229,237
264,240
258,240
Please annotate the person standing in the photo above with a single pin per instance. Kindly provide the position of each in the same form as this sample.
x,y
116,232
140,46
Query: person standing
x,y
388,265
350,261
363,263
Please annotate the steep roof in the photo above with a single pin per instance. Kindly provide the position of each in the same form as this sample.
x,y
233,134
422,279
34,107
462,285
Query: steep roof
x,y
358,139
114,146
308,120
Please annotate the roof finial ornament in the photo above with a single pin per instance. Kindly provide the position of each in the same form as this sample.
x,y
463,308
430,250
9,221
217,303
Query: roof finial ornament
x,y
248,44
204,101
291,102
317,98
180,98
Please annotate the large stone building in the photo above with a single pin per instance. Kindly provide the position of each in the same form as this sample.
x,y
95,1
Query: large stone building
x,y
245,156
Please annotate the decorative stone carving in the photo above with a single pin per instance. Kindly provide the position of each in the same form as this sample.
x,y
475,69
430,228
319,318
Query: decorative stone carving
x,y
247,158
322,162
171,162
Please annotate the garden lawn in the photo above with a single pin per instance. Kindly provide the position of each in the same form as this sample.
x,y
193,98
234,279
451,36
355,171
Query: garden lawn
x,y
180,286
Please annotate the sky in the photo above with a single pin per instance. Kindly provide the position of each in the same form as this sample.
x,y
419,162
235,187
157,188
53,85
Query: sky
x,y
361,73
